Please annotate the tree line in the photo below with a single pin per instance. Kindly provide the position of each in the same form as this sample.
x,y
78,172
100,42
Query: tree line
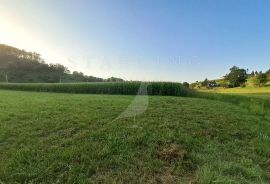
x,y
18,66
235,78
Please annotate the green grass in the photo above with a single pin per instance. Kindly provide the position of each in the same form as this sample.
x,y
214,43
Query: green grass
x,y
240,90
256,99
72,138
256,104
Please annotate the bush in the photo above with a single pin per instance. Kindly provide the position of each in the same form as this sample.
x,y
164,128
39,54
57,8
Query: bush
x,y
186,84
261,79
243,85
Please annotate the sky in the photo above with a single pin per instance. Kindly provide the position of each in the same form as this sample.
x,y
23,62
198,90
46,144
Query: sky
x,y
149,40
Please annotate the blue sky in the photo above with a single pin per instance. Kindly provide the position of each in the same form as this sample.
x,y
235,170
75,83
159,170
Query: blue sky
x,y
161,40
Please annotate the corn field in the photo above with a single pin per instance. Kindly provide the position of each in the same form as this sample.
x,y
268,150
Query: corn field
x,y
118,88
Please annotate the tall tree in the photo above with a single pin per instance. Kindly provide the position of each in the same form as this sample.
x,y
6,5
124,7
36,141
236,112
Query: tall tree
x,y
268,72
186,84
18,65
205,82
237,76
59,70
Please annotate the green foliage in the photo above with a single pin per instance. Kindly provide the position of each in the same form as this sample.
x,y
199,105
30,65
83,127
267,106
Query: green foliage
x,y
127,88
186,84
268,72
224,83
19,66
205,83
261,79
114,79
237,76
195,85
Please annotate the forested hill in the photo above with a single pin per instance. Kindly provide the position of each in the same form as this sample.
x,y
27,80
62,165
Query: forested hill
x,y
21,66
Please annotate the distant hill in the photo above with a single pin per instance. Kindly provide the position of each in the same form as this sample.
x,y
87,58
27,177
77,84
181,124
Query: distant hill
x,y
20,66
223,83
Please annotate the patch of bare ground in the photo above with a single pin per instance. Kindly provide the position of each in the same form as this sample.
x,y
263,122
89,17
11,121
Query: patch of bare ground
x,y
178,167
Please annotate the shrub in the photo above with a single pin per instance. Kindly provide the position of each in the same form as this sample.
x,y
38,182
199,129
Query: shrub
x,y
186,84
261,79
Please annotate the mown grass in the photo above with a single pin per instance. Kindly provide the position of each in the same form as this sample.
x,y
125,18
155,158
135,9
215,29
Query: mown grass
x,y
120,88
72,138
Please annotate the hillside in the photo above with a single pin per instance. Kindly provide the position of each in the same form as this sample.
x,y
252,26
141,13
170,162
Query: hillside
x,y
20,66
250,80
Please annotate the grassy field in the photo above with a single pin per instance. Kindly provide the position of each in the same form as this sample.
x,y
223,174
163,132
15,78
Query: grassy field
x,y
257,94
256,99
75,138
263,91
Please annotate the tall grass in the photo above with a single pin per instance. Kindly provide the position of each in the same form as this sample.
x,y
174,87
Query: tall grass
x,y
121,88
254,104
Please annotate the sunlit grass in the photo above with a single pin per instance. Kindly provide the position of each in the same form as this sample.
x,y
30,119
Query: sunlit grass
x,y
72,138
241,90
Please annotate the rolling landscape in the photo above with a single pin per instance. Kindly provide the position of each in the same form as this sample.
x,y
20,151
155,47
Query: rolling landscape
x,y
55,132
61,125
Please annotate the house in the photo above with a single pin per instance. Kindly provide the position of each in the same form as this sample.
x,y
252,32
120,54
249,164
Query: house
x,y
212,84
